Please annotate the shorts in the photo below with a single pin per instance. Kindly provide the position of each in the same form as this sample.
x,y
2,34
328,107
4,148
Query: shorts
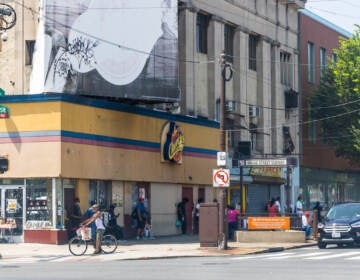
x,y
140,224
99,233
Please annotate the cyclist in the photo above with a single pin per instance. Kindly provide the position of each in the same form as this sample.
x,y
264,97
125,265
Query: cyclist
x,y
100,228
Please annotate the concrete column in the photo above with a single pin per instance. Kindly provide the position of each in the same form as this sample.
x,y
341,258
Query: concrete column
x,y
187,41
215,47
277,101
264,94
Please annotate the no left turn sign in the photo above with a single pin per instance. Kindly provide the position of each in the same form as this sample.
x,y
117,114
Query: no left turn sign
x,y
221,178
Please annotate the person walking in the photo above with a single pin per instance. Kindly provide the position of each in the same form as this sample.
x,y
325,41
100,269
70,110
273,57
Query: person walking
x,y
181,214
197,215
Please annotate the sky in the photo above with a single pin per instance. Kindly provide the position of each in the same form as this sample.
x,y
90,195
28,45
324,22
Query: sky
x,y
343,13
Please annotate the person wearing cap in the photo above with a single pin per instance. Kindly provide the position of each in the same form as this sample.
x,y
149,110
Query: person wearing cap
x,y
96,219
305,218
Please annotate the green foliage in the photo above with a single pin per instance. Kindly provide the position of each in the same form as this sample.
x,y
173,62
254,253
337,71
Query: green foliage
x,y
336,101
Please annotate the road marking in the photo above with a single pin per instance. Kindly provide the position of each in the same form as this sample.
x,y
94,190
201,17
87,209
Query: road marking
x,y
333,256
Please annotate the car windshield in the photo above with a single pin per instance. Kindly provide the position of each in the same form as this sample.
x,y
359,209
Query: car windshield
x,y
346,211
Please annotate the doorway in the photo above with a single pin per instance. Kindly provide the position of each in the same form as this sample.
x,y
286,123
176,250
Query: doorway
x,y
12,210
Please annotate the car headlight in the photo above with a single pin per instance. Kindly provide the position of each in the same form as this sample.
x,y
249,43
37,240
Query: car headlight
x,y
356,225
320,225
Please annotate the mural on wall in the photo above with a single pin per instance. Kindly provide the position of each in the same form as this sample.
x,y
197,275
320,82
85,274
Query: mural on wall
x,y
116,48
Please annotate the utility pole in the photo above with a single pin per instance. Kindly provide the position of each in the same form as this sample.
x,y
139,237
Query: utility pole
x,y
222,244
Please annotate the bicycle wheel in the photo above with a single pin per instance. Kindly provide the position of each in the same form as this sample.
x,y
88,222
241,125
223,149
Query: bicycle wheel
x,y
77,246
108,244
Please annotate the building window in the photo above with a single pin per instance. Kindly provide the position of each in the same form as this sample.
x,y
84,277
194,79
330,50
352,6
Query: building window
x,y
311,63
229,42
334,57
253,40
311,128
285,68
30,47
322,61
202,23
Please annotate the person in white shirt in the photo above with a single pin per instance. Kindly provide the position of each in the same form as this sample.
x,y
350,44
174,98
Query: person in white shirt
x,y
299,206
100,228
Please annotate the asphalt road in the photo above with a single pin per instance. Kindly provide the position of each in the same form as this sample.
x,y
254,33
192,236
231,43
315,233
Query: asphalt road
x,y
298,264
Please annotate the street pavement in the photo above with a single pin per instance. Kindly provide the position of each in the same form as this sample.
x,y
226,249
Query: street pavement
x,y
158,247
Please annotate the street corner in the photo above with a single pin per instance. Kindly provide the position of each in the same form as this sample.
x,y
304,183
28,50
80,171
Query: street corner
x,y
215,251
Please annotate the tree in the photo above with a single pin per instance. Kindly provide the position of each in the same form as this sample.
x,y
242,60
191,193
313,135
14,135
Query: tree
x,y
336,101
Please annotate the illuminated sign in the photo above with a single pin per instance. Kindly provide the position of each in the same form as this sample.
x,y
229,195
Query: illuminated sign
x,y
172,143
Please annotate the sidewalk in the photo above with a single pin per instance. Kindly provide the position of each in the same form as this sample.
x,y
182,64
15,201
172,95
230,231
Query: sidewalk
x,y
160,247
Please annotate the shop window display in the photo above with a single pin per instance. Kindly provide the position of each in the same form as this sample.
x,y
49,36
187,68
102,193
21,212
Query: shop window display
x,y
39,204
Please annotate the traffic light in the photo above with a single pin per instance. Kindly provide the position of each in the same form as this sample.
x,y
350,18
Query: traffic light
x,y
4,164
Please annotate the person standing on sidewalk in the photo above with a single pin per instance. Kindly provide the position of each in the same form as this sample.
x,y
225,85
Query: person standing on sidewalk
x,y
299,206
181,214
232,221
141,216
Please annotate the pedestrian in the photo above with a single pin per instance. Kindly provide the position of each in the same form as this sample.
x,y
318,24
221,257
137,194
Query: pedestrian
x,y
278,205
232,221
89,213
147,229
197,215
141,216
100,228
181,214
75,217
318,208
272,209
299,206
305,224
112,225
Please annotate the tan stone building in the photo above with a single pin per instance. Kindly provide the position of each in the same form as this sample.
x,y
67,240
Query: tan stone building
x,y
260,41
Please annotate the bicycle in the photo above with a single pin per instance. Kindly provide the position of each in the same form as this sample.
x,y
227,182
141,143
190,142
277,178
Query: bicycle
x,y
78,245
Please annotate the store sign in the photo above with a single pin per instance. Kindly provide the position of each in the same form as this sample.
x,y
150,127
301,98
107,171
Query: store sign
x,y
11,205
172,143
275,162
4,112
262,223
266,171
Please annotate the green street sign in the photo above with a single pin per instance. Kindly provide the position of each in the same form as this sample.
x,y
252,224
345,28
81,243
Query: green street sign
x,y
4,112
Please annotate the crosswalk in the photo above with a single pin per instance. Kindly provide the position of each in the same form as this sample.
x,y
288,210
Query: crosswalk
x,y
314,255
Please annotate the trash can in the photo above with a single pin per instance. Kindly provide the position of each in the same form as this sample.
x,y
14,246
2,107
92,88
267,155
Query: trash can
x,y
209,224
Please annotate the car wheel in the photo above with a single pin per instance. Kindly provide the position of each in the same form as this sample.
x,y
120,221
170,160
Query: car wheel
x,y
321,245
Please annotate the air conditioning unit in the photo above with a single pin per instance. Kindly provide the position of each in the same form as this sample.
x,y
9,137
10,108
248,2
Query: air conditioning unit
x,y
230,106
254,111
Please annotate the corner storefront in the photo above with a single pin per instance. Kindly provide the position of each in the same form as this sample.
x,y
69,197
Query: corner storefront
x,y
62,146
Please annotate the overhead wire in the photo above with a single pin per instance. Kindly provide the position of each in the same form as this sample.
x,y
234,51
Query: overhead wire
x,y
206,62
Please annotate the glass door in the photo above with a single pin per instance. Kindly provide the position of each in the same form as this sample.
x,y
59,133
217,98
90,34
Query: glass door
x,y
11,209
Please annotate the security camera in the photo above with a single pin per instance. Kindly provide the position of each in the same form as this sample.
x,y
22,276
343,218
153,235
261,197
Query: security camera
x,y
4,36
